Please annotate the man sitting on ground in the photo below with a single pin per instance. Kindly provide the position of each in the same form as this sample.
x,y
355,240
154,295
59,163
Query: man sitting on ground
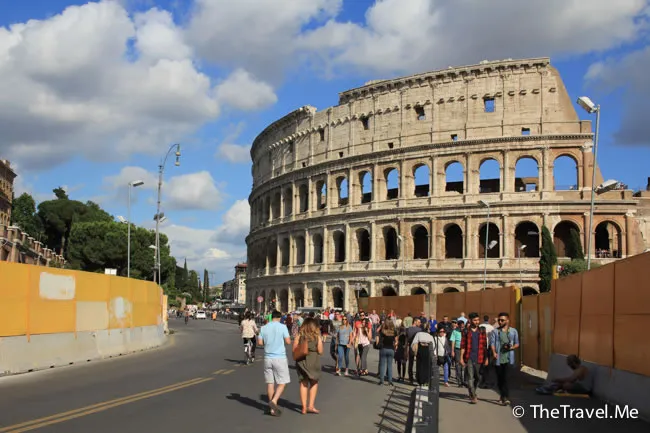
x,y
577,383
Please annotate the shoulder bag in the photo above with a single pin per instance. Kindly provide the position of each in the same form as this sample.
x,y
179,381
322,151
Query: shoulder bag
x,y
301,351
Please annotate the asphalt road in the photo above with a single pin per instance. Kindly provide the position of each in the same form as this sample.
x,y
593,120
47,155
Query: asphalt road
x,y
194,383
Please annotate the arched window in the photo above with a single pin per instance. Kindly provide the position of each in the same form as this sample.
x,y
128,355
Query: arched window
x,y
493,246
391,248
454,177
342,189
339,246
365,182
420,242
388,291
527,240
418,291
300,250
421,177
363,242
526,174
303,192
288,201
490,177
565,173
450,290
453,242
567,243
317,242
608,242
392,183
285,248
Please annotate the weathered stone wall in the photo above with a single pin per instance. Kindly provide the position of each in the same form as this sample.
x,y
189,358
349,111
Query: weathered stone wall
x,y
309,200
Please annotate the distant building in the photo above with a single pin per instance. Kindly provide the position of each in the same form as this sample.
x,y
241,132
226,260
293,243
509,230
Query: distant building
x,y
7,176
235,289
15,244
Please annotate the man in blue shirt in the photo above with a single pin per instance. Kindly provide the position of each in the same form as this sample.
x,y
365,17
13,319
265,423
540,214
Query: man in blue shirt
x,y
274,336
503,342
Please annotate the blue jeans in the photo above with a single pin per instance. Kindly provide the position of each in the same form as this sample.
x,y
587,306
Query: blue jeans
x,y
386,357
445,369
344,354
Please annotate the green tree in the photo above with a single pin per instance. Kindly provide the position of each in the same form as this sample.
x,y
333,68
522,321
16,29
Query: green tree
x,y
60,193
206,285
574,246
23,215
95,246
547,261
193,285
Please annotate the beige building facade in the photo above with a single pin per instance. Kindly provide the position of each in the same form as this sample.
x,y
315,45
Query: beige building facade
x,y
7,176
360,199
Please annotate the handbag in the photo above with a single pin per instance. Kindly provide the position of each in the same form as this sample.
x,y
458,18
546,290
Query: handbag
x,y
301,351
440,359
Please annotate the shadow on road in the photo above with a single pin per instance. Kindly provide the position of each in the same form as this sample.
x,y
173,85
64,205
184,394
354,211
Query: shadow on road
x,y
235,361
283,403
394,416
248,402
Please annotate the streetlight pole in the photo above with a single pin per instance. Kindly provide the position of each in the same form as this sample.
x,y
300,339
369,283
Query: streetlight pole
x,y
521,279
591,108
161,170
487,234
132,185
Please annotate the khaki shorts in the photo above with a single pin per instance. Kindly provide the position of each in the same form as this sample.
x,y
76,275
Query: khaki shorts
x,y
276,371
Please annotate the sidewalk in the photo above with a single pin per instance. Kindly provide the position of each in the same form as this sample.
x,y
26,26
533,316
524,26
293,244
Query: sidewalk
x,y
489,416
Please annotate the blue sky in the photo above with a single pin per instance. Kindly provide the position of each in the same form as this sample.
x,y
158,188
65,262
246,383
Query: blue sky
x,y
92,96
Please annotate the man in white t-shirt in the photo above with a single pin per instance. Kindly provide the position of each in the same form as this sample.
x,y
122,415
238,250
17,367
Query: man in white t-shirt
x,y
486,375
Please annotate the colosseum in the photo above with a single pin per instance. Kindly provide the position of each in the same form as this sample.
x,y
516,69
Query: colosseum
x,y
388,194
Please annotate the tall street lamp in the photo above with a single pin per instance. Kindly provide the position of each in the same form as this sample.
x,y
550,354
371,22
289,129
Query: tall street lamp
x,y
485,204
588,105
519,251
158,217
132,184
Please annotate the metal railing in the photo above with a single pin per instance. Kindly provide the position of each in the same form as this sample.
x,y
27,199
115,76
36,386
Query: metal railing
x,y
425,404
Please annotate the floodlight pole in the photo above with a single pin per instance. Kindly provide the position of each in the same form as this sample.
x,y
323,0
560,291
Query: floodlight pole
x,y
593,188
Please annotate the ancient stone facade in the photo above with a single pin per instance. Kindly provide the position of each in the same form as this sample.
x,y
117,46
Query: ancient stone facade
x,y
7,177
18,246
357,200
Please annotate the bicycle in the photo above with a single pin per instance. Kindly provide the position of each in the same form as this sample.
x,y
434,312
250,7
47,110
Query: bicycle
x,y
248,350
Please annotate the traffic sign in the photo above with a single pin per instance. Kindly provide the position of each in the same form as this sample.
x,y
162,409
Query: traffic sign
x,y
260,299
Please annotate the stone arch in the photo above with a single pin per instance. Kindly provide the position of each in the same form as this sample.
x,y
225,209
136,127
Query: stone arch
x,y
528,291
284,301
288,201
608,242
391,177
363,245
493,241
453,171
299,297
450,290
316,297
317,245
267,209
489,175
342,189
303,197
418,291
527,234
285,251
453,241
365,186
277,205
566,172
272,300
420,242
391,248
321,194
338,238
562,236
421,180
338,298
272,253
526,174
388,291
300,250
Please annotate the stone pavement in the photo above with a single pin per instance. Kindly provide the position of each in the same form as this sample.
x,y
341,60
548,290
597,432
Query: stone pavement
x,y
489,416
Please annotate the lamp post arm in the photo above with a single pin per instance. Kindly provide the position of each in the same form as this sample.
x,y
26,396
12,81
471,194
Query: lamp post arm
x,y
593,188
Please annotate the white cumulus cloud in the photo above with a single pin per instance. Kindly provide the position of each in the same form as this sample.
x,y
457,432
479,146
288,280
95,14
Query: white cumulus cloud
x,y
401,36
242,91
95,81
234,153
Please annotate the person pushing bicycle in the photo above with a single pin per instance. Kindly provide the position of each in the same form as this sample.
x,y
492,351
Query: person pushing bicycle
x,y
249,331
